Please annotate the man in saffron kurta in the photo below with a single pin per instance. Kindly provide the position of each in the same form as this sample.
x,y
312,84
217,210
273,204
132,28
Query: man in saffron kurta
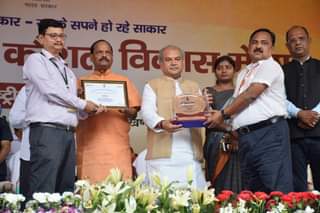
x,y
103,140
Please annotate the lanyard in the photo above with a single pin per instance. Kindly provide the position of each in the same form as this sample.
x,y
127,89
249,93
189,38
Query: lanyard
x,y
63,74
246,77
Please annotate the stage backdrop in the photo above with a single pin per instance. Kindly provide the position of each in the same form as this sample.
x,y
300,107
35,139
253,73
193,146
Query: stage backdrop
x,y
137,29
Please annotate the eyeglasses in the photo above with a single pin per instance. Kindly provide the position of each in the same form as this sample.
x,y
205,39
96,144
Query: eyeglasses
x,y
55,36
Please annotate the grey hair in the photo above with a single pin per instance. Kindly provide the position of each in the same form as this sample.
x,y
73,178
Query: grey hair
x,y
169,47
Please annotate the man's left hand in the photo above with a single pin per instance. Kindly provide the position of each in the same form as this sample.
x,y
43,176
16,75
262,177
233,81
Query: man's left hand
x,y
214,119
303,125
130,112
99,109
308,118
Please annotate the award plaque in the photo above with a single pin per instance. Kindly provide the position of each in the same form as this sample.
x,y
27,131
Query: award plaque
x,y
111,94
189,110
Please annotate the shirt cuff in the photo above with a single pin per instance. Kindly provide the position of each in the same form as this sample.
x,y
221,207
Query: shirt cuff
x,y
81,104
294,112
316,109
155,124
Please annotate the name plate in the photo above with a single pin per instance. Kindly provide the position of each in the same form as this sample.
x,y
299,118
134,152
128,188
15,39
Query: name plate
x,y
111,94
190,110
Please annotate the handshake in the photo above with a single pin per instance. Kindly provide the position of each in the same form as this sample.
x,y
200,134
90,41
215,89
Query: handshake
x,y
215,118
93,109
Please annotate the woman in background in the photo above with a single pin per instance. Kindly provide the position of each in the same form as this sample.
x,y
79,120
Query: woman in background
x,y
221,149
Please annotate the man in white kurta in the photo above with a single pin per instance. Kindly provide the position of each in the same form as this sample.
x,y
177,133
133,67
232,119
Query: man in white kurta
x,y
181,158
17,119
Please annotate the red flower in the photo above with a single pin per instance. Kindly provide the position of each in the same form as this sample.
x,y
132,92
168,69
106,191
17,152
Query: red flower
x,y
246,192
297,196
288,199
227,192
308,196
276,194
223,197
245,195
261,195
270,204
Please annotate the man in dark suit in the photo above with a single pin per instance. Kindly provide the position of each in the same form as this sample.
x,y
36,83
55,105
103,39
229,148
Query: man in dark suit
x,y
302,77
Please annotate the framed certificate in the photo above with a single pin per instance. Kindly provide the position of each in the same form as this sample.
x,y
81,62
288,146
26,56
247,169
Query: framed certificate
x,y
111,94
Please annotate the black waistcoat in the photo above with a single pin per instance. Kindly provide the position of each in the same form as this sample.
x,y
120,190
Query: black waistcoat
x,y
303,89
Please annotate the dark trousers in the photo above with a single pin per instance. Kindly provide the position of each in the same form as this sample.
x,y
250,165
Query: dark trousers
x,y
265,159
25,178
52,160
3,170
305,151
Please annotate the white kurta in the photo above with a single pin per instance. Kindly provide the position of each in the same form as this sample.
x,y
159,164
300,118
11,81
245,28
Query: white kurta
x,y
182,157
13,161
17,119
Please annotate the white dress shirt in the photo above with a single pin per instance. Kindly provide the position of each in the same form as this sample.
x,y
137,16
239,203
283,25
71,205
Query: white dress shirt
x,y
272,102
49,98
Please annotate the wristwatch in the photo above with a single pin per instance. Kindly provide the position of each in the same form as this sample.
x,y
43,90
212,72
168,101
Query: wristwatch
x,y
224,116
159,125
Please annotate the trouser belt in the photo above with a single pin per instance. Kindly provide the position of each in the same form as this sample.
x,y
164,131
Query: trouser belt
x,y
252,127
54,125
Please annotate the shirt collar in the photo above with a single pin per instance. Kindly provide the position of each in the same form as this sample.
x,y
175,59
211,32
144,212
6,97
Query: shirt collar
x,y
302,62
256,64
108,72
180,79
50,56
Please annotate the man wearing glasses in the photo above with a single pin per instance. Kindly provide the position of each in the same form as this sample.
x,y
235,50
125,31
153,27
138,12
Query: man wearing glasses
x,y
52,108
302,76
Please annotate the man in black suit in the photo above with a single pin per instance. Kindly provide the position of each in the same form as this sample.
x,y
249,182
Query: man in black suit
x,y
302,81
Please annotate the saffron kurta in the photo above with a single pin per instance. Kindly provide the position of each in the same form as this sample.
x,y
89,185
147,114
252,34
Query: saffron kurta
x,y
103,139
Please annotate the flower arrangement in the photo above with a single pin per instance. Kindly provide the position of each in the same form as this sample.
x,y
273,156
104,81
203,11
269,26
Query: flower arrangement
x,y
117,195
10,202
51,203
275,202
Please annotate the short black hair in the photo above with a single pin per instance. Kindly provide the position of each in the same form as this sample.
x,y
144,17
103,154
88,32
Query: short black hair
x,y
44,24
96,42
266,30
224,58
295,27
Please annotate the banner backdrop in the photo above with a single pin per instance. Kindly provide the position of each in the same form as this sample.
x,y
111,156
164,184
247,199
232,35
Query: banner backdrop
x,y
205,29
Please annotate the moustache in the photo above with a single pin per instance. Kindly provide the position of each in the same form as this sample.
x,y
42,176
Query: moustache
x,y
104,59
258,50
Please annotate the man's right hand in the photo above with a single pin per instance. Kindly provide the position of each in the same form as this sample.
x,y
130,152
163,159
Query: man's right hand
x,y
308,117
170,127
213,119
91,107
